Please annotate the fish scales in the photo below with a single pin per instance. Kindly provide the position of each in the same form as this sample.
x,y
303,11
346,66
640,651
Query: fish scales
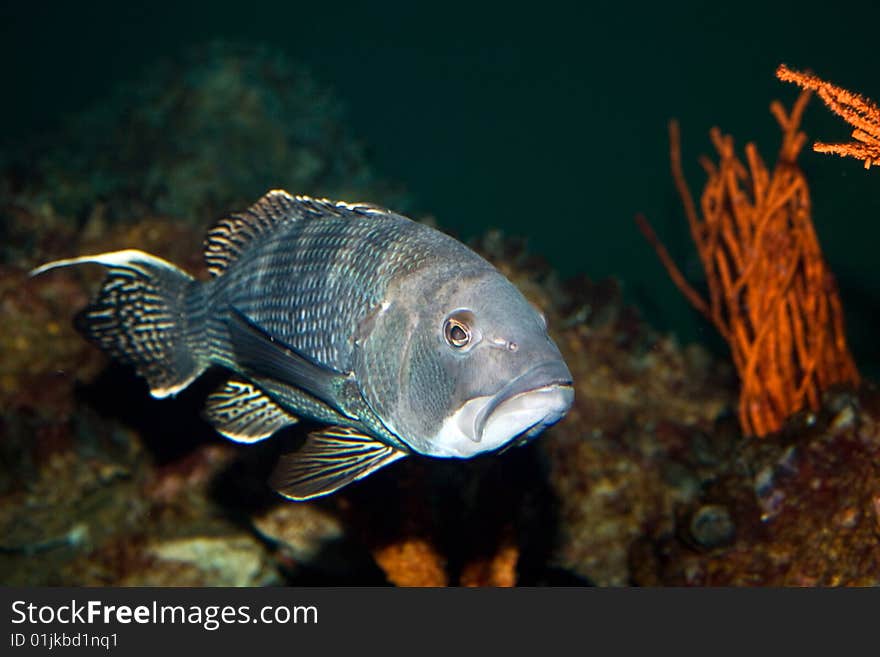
x,y
396,335
313,281
318,280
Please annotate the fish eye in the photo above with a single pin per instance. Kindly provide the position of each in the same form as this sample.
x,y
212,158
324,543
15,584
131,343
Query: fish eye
x,y
457,330
457,334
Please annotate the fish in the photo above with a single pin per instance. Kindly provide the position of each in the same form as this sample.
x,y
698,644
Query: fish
x,y
393,337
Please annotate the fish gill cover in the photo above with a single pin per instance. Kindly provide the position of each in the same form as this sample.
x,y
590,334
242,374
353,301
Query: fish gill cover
x,y
649,479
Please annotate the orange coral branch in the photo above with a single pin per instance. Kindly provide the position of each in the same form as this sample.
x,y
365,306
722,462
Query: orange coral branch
x,y
416,561
412,562
674,272
862,114
499,570
771,295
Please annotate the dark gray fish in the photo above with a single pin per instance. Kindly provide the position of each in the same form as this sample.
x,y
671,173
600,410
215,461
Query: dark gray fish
x,y
396,335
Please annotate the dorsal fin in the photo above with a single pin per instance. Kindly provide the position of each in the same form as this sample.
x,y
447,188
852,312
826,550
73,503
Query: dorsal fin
x,y
227,240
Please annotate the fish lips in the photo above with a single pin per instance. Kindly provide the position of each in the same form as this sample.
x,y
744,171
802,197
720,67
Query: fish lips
x,y
535,399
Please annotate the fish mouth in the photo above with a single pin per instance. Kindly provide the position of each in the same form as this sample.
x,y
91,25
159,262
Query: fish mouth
x,y
524,407
536,399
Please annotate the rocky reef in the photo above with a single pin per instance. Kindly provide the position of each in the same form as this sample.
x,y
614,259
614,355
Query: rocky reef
x,y
194,136
647,481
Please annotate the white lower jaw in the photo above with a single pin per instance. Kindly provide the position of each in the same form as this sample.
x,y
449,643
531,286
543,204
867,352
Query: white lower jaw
x,y
510,419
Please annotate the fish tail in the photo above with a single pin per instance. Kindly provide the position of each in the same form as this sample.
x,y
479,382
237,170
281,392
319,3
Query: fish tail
x,y
143,315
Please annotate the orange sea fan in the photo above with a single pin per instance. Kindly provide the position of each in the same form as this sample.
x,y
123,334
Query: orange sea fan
x,y
497,570
771,294
862,114
412,562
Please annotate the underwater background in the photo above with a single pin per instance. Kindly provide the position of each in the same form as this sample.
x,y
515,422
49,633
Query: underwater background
x,y
533,132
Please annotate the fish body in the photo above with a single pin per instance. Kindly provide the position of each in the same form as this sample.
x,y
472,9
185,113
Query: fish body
x,y
397,336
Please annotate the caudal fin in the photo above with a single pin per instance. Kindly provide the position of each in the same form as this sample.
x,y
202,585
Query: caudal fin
x,y
140,317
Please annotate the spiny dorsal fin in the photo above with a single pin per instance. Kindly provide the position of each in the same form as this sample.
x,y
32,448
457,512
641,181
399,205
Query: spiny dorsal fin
x,y
243,413
330,459
232,235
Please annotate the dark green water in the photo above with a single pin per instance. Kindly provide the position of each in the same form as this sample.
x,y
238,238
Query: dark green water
x,y
540,119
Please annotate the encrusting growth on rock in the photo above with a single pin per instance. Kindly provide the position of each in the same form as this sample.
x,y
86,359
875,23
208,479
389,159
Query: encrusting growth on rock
x,y
771,295
499,570
412,562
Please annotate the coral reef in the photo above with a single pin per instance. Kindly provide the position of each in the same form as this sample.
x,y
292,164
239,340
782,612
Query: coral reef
x,y
771,295
195,136
647,481
642,439
802,511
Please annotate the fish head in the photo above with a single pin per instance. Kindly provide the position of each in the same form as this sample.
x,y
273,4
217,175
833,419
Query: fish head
x,y
474,367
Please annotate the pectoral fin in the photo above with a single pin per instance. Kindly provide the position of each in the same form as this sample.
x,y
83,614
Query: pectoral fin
x,y
266,355
329,460
243,413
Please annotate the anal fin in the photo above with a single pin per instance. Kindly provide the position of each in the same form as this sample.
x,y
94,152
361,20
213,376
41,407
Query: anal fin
x,y
243,413
330,459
